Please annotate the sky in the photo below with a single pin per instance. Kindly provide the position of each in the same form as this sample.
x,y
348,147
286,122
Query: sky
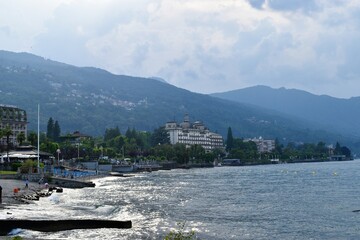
x,y
204,46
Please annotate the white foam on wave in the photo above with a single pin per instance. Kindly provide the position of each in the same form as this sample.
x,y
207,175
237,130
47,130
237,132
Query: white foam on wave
x,y
15,231
54,198
105,210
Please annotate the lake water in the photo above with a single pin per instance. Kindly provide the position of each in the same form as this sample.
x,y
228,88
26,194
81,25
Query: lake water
x,y
285,201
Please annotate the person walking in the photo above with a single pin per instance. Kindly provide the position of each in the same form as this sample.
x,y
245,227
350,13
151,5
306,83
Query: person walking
x,y
26,183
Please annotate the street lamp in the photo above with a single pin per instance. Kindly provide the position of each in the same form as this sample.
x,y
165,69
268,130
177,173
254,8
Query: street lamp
x,y
78,145
58,154
102,153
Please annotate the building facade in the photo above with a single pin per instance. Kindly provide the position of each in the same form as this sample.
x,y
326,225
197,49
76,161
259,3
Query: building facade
x,y
193,134
16,119
263,145
75,137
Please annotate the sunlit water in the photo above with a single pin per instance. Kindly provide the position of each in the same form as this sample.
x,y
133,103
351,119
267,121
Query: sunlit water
x,y
286,201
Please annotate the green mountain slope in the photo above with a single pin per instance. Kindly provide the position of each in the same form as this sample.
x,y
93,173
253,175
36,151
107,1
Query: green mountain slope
x,y
91,100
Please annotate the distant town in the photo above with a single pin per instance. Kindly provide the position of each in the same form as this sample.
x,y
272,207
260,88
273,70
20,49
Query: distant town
x,y
174,145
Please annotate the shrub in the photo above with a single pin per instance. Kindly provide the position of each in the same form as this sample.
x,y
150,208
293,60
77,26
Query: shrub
x,y
180,233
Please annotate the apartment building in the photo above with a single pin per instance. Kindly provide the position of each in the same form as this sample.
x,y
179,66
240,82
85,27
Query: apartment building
x,y
263,145
16,119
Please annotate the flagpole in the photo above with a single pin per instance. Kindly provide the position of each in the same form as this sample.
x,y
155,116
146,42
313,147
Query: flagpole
x,y
38,140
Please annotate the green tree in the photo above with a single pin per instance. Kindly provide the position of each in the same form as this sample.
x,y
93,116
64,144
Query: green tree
x,y
321,150
197,152
337,149
43,137
307,150
218,153
181,153
278,147
20,138
32,138
246,151
229,140
208,157
131,148
50,129
111,133
56,131
290,151
134,133
346,151
160,135
164,151
128,133
49,146
144,140
117,143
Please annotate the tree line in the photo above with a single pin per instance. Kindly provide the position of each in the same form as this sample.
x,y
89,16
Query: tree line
x,y
113,144
291,152
156,146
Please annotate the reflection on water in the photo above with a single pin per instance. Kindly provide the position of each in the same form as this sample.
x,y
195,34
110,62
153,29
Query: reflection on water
x,y
290,201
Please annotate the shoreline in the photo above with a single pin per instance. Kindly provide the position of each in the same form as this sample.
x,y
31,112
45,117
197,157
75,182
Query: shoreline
x,y
8,186
28,196
8,195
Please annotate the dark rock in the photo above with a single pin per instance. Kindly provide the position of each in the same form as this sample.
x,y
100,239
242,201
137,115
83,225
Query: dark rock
x,y
59,225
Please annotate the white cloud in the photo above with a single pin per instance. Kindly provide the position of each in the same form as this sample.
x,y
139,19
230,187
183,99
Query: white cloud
x,y
21,21
202,45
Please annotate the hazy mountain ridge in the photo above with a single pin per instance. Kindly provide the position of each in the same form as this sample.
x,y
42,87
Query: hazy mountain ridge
x,y
90,100
339,115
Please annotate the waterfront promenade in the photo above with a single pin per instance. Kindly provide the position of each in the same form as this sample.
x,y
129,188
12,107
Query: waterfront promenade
x,y
8,186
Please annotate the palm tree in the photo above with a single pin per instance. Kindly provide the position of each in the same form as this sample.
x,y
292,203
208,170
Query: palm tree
x,y
1,136
7,132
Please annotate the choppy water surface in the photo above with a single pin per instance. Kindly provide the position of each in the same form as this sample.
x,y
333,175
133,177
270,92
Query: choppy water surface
x,y
288,201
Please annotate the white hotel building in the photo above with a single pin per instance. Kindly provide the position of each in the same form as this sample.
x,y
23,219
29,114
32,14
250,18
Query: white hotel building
x,y
191,134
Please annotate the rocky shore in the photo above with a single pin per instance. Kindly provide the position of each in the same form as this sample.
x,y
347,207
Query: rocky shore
x,y
36,189
22,192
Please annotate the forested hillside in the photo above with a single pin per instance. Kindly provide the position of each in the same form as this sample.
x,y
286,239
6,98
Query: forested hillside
x,y
91,100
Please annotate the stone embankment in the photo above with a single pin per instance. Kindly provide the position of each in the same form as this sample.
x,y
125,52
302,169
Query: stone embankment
x,y
71,183
15,191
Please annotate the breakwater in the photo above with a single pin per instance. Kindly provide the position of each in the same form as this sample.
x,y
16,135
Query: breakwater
x,y
59,225
70,183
